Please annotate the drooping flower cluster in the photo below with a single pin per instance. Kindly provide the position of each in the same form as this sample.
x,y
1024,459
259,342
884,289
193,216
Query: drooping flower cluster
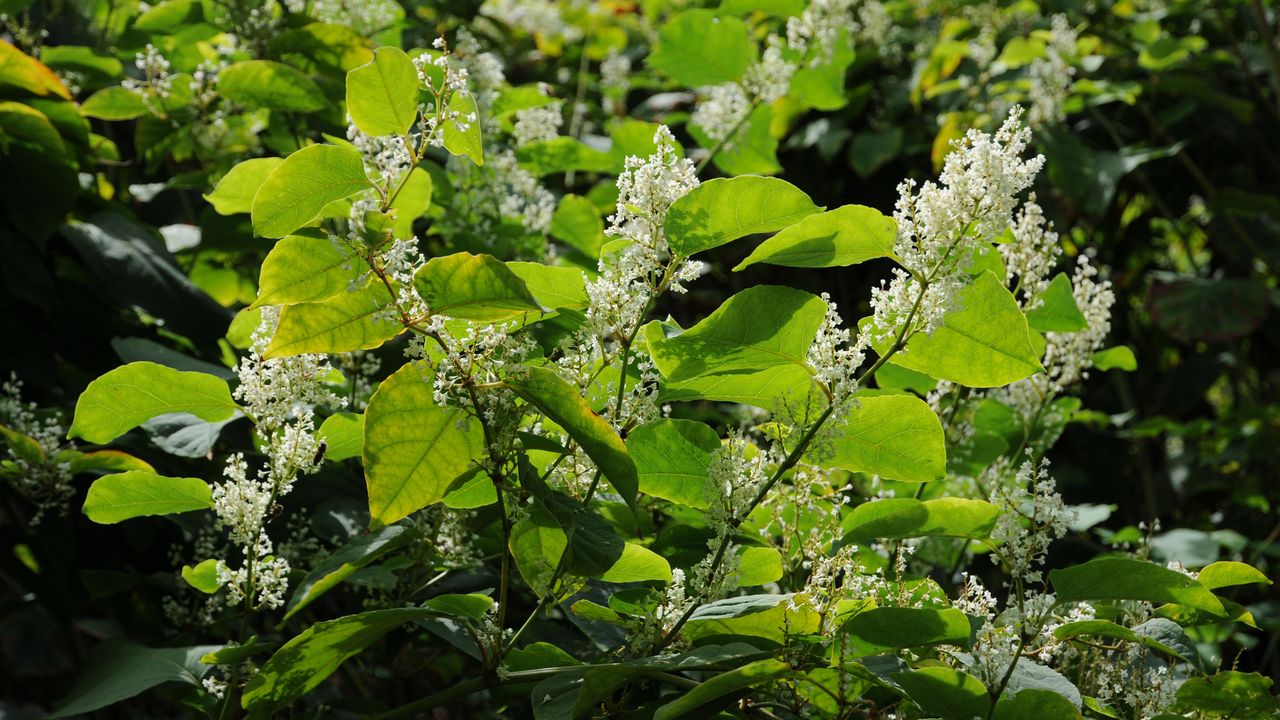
x,y
1031,256
615,82
940,225
1032,516
156,81
540,123
1051,75
451,84
630,278
32,464
280,395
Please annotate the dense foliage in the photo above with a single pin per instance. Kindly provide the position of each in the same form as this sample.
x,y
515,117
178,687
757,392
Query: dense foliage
x,y
556,359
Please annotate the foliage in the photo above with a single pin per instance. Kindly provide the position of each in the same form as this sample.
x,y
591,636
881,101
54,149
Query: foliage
x,y
554,359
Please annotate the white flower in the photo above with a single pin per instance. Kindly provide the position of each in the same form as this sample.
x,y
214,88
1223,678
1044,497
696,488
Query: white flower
x,y
722,110
538,123
770,78
1033,253
39,477
1051,75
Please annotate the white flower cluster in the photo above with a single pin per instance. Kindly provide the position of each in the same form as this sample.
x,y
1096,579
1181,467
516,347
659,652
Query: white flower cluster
x,y
1051,75
366,17
615,82
279,395
1032,255
400,262
32,465
834,357
630,278
721,110
1068,356
537,124
484,69
156,82
385,157
500,189
1032,516
453,84
535,17
941,225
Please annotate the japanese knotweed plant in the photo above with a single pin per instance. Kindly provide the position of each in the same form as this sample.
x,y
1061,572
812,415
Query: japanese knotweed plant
x,y
535,467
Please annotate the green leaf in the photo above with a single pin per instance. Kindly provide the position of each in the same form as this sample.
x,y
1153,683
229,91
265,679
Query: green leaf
x,y
551,286
821,86
884,629
474,287
299,188
1227,573
464,142
132,394
138,493
697,47
114,103
725,209
897,437
1035,703
577,222
203,577
562,154
412,202
471,606
301,269
272,85
752,349
343,435
234,192
540,540
1119,357
769,618
1117,578
638,564
562,403
306,660
672,459
118,670
982,342
722,689
413,449
343,562
848,235
1057,311
758,566
899,518
355,320
382,96
945,693
754,150
1231,694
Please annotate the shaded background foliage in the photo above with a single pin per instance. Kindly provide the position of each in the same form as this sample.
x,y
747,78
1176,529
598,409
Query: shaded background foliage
x,y
1191,236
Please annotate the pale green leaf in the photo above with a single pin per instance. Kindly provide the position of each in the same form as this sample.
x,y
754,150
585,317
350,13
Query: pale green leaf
x,y
945,693
1119,357
752,349
114,103
897,437
382,96
299,188
1056,310
697,47
721,688
414,450
900,518
562,403
234,192
132,394
347,321
203,576
474,287
138,493
848,235
672,458
269,84
638,564
551,286
725,209
758,566
464,142
301,269
343,435
983,340
1228,573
